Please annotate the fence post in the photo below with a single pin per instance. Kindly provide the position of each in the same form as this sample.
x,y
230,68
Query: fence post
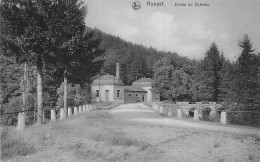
x,y
80,109
223,117
165,110
75,110
196,114
53,115
61,113
69,112
170,111
161,109
21,121
179,113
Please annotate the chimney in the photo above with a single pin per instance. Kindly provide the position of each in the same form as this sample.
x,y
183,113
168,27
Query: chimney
x,y
117,72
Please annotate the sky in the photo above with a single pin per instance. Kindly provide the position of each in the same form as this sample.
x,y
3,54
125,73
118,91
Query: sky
x,y
186,30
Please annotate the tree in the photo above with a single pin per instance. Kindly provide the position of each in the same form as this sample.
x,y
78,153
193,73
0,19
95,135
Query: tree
x,y
31,32
209,72
11,74
226,82
247,84
172,79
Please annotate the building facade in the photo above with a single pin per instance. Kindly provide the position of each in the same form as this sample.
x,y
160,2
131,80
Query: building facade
x,y
144,84
109,88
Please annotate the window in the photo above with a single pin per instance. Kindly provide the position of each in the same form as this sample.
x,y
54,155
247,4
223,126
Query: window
x,y
107,90
136,95
129,94
156,96
97,93
118,93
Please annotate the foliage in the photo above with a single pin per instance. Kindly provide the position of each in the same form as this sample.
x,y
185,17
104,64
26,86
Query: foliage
x,y
11,74
135,61
209,73
172,78
77,95
49,35
247,79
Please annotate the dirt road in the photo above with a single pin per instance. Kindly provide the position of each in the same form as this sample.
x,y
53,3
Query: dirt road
x,y
143,114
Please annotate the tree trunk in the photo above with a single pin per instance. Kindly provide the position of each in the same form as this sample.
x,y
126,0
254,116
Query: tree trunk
x,y
1,97
24,85
65,94
39,93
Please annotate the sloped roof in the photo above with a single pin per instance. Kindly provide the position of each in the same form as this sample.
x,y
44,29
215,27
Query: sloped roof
x,y
144,80
134,89
107,80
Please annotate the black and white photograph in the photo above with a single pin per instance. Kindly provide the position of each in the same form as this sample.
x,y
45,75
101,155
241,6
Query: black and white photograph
x,y
130,80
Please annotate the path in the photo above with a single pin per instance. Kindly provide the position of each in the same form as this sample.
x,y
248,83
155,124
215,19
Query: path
x,y
142,113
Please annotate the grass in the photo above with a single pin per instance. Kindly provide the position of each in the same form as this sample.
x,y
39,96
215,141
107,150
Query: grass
x,y
90,136
14,145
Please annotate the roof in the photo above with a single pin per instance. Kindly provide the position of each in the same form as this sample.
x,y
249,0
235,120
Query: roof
x,y
134,89
107,80
144,80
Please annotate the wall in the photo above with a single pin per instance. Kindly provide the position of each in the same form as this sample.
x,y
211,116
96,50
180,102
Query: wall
x,y
102,92
151,95
133,98
119,99
185,106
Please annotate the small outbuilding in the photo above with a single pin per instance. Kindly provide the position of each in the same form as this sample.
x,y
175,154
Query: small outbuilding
x,y
108,88
142,91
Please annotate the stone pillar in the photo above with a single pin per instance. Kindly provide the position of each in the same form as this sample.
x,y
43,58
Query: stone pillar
x,y
53,115
157,108
69,112
179,113
21,121
161,109
80,109
165,110
223,117
196,114
61,113
84,108
75,110
170,109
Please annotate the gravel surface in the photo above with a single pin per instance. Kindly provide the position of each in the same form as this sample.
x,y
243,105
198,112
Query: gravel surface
x,y
188,141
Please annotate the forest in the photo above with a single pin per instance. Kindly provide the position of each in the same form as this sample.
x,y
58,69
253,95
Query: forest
x,y
48,50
